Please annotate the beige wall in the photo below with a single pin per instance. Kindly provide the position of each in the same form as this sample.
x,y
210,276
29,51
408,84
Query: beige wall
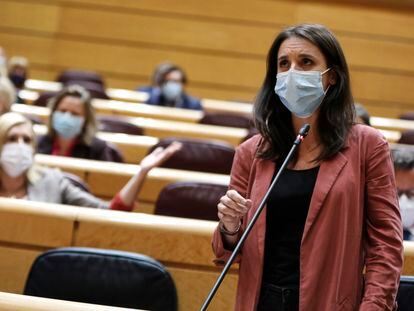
x,y
221,44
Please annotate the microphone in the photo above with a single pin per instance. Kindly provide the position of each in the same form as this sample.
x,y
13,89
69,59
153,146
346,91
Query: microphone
x,y
303,132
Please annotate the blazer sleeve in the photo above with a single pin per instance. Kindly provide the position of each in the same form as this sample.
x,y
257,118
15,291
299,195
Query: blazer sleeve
x,y
383,236
74,195
239,181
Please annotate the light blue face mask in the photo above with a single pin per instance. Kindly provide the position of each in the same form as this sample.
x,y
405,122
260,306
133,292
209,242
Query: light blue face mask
x,y
300,91
172,90
66,124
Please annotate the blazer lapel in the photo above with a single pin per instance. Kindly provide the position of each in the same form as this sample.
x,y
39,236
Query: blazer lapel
x,y
328,174
265,171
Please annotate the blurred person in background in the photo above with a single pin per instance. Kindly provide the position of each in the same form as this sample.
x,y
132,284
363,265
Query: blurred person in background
x,y
168,88
18,71
72,127
7,94
403,159
362,115
20,178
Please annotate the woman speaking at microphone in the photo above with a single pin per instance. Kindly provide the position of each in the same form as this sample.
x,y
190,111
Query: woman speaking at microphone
x,y
334,210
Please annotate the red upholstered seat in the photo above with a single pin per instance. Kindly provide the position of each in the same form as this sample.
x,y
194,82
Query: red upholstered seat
x,y
79,75
118,124
199,155
190,200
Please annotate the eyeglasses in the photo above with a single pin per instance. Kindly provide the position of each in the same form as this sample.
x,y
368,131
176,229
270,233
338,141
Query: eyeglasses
x,y
408,192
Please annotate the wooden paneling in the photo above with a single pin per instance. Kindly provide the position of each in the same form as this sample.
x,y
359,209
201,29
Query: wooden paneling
x,y
15,264
244,11
182,245
222,45
49,227
97,176
187,280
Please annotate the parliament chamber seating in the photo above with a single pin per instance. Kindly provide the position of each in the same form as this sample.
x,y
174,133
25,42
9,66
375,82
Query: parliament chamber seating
x,y
116,124
160,128
104,277
190,200
97,174
405,295
27,229
70,75
199,155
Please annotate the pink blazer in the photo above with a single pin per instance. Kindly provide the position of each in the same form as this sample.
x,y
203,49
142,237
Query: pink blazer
x,y
353,223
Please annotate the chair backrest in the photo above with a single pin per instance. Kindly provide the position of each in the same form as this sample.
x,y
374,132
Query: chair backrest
x,y
43,98
199,155
96,90
409,115
118,124
106,277
405,296
79,75
226,119
407,137
116,154
190,200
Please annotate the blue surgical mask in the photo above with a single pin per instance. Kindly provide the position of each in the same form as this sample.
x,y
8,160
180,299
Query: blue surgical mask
x,y
172,90
300,91
66,124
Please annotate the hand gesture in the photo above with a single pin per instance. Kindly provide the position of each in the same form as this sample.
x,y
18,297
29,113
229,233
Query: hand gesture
x,y
231,208
159,156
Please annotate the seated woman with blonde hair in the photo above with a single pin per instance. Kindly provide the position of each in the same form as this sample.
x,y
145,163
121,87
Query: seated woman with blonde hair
x,y
20,178
72,127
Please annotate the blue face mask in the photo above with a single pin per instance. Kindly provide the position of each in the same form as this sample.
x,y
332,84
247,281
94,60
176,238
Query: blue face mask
x,y
66,124
300,91
171,90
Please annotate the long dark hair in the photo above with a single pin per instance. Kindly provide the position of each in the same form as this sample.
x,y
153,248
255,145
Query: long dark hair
x,y
273,119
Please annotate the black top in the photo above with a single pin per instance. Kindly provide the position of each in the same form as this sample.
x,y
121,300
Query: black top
x,y
286,212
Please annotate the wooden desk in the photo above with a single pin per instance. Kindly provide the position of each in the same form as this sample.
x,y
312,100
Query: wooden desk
x,y
161,128
98,173
133,147
182,245
209,105
15,302
392,124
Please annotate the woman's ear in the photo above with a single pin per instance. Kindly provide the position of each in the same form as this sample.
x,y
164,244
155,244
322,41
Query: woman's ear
x,y
332,77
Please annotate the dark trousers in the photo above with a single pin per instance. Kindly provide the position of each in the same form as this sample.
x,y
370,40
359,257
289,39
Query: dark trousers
x,y
275,298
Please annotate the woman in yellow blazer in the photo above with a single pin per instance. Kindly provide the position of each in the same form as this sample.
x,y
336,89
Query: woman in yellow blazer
x,y
335,209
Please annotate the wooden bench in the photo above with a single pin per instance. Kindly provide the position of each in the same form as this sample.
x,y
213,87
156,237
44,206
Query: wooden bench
x,y
161,128
105,179
182,245
209,105
13,302
133,147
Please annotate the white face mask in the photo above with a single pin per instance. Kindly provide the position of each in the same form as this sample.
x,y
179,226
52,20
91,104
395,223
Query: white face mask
x,y
300,91
407,211
16,158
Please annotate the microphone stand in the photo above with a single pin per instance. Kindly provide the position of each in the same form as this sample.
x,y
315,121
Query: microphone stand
x,y
302,134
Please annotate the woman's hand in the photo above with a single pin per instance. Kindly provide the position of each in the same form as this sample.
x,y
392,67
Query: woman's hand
x,y
231,208
159,156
